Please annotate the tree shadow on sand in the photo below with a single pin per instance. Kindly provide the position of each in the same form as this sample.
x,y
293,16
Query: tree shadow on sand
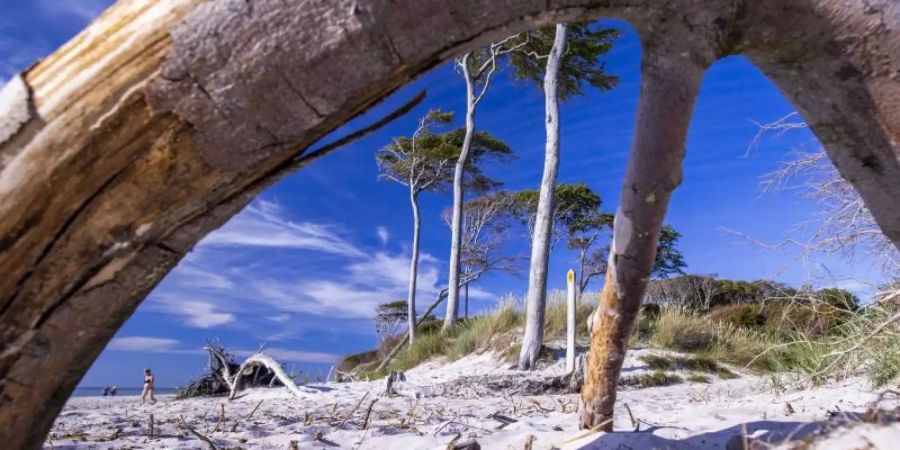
x,y
766,432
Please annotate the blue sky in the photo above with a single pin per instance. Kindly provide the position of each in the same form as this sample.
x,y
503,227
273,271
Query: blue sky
x,y
301,270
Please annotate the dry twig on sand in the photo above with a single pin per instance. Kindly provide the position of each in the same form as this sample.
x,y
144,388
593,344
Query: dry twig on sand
x,y
209,442
349,414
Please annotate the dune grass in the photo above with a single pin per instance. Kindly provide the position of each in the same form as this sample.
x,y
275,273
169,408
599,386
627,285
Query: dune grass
x,y
868,340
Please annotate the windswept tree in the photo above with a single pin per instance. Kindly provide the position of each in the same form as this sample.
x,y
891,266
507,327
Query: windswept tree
x,y
486,222
669,260
389,317
563,59
423,162
583,237
478,69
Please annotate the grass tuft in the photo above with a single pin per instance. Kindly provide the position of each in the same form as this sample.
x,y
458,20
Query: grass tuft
x,y
651,379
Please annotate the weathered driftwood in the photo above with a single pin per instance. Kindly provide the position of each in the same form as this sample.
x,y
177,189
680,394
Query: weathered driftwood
x,y
130,143
261,359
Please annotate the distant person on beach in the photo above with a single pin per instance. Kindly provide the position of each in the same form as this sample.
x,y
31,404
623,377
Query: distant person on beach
x,y
148,387
106,391
113,390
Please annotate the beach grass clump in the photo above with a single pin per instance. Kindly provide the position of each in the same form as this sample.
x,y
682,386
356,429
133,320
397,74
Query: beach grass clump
x,y
656,362
555,324
425,347
698,378
478,334
677,330
650,379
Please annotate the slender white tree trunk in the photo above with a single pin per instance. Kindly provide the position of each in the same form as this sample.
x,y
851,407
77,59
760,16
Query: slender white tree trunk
x,y
456,221
536,300
413,267
570,321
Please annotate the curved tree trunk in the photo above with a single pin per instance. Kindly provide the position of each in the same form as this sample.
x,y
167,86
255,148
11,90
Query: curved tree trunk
x,y
669,86
125,147
413,268
451,312
536,299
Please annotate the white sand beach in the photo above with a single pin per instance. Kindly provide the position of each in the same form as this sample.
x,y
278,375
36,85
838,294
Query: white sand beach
x,y
481,398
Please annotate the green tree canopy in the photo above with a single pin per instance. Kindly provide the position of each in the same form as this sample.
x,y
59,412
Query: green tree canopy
x,y
426,159
586,43
669,260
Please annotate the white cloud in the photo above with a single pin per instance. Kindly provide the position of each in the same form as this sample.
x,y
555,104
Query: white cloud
x,y
143,344
287,355
263,224
200,314
476,293
383,235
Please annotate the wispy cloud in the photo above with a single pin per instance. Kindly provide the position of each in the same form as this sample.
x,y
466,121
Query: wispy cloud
x,y
148,344
288,355
193,313
263,224
383,235
234,279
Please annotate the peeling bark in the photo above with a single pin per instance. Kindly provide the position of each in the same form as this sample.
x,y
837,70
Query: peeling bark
x,y
140,142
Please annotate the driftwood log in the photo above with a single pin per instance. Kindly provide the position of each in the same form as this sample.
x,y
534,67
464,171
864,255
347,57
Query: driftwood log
x,y
163,119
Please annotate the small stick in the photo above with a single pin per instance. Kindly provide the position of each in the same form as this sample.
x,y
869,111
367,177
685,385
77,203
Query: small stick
x,y
203,438
529,442
634,423
254,410
151,425
352,410
221,418
368,412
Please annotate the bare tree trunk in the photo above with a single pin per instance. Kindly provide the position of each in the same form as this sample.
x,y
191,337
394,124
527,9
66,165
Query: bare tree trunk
x,y
413,267
456,220
536,299
668,88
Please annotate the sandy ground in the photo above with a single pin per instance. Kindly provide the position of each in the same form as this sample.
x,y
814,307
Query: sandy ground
x,y
474,397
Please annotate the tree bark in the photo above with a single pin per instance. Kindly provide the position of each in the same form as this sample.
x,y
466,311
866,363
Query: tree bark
x,y
413,267
669,86
451,313
124,148
536,299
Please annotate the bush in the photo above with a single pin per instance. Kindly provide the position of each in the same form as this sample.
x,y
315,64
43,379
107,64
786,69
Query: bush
x,y
746,316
